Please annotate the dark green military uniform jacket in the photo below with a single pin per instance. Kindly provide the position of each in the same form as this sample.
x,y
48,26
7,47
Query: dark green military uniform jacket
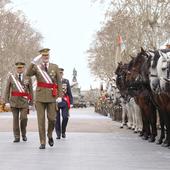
x,y
45,94
18,101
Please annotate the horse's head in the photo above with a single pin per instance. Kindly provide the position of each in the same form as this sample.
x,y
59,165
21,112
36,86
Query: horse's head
x,y
153,74
147,65
135,67
121,75
119,68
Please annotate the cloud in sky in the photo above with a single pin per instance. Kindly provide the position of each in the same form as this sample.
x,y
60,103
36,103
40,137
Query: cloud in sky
x,y
68,27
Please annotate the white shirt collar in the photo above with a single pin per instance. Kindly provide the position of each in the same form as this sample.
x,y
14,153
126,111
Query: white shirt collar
x,y
20,74
47,64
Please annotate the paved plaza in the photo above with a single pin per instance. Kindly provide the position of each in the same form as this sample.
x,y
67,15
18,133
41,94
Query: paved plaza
x,y
98,145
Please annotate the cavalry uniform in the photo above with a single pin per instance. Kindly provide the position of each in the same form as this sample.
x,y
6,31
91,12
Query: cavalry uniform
x,y
63,108
47,91
19,94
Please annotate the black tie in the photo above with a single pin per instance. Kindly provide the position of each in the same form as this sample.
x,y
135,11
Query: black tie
x,y
19,77
45,65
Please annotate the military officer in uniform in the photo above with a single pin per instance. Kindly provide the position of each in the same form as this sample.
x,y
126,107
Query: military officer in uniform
x,y
63,107
48,91
18,96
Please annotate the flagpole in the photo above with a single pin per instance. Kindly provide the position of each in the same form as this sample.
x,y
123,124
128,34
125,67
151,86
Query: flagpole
x,y
118,49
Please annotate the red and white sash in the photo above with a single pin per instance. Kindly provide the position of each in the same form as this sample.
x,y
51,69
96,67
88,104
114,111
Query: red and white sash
x,y
18,85
48,82
44,74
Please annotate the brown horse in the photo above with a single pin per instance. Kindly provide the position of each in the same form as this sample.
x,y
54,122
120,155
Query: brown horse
x,y
121,72
143,95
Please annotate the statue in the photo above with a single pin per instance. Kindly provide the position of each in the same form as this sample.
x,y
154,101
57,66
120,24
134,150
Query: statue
x,y
74,75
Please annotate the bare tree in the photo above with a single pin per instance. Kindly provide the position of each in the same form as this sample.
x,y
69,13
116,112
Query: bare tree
x,y
138,22
3,3
18,41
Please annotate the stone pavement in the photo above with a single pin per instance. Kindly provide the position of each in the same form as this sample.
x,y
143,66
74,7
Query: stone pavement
x,y
81,120
116,150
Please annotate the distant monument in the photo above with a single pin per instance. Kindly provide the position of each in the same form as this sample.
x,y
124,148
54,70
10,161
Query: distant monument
x,y
75,89
74,80
74,75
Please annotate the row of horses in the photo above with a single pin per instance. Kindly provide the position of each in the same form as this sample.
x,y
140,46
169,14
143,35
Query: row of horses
x,y
146,81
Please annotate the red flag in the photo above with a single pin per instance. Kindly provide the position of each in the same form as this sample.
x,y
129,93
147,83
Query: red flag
x,y
120,41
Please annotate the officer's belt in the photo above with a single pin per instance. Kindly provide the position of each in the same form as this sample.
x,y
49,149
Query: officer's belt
x,y
49,85
21,94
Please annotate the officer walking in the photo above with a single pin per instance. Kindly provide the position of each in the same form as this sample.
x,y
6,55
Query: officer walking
x,y
63,107
48,91
18,96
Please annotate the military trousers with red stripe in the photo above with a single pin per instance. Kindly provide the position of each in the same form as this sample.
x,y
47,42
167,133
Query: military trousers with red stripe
x,y
61,123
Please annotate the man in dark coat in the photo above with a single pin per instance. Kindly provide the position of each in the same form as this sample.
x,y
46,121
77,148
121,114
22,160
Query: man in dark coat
x,y
63,107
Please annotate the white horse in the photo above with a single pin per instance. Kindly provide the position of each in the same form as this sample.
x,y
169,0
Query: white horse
x,y
158,80
132,111
153,76
124,112
136,116
163,70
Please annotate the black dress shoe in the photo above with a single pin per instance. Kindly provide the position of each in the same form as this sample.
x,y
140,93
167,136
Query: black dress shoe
x,y
16,140
141,134
159,141
24,138
151,139
51,141
165,145
58,137
63,135
42,146
145,137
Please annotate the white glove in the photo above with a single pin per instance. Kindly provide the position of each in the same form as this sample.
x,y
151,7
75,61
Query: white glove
x,y
7,105
71,105
59,100
30,107
37,59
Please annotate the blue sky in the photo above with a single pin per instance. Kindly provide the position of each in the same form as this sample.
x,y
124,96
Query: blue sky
x,y
68,27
